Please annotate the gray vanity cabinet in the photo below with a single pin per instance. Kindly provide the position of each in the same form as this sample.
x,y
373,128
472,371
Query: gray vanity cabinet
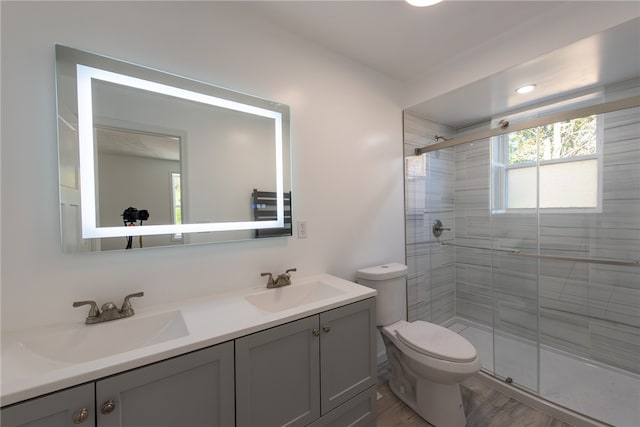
x,y
317,371
278,375
348,350
66,408
305,370
191,390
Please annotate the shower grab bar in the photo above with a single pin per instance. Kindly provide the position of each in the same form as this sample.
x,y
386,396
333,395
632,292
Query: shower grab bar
x,y
516,252
509,251
606,261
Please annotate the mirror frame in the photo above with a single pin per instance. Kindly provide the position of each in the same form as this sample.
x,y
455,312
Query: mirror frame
x,y
90,67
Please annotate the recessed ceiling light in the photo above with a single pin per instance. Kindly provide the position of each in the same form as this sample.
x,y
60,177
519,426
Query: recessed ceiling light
x,y
525,89
422,3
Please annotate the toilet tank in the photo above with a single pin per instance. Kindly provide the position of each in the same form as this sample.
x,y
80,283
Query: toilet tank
x,y
390,280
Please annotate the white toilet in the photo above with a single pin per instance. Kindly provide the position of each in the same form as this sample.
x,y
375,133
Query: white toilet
x,y
427,361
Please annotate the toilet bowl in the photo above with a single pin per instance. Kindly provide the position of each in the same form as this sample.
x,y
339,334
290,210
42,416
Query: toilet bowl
x,y
427,361
434,351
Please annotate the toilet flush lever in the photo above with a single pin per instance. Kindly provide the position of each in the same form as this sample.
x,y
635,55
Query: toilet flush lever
x,y
437,228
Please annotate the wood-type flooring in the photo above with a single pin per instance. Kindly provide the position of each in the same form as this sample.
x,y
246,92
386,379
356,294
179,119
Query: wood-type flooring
x,y
484,407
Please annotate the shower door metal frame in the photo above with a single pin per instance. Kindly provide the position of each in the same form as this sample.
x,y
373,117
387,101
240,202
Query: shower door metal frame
x,y
606,107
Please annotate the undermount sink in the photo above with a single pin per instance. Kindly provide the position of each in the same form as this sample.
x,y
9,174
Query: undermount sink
x,y
286,297
84,343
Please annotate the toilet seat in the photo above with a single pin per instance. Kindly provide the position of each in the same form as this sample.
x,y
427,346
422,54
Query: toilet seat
x,y
436,341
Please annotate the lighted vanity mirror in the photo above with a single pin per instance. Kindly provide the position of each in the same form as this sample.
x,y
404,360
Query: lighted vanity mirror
x,y
148,158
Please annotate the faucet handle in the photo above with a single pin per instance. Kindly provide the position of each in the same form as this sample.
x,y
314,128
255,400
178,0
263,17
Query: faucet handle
x,y
93,312
270,281
126,305
284,279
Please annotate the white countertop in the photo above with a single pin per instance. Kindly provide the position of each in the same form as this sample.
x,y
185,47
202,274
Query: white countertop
x,y
209,320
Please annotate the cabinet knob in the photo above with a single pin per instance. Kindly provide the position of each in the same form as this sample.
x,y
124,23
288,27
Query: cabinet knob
x,y
108,407
326,328
315,332
80,416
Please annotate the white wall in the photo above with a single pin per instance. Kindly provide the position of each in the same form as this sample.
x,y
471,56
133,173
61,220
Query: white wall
x,y
141,182
347,154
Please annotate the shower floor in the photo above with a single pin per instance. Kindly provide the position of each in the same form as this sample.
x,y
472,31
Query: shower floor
x,y
607,394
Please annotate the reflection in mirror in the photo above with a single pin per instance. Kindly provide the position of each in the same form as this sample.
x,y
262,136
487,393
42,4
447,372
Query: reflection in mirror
x,y
153,159
140,171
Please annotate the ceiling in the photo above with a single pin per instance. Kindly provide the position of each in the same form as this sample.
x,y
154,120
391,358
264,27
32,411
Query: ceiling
x,y
458,61
138,144
608,57
395,38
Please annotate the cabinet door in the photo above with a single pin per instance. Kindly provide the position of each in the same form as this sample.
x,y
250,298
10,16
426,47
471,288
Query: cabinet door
x,y
277,376
348,352
71,407
357,412
193,390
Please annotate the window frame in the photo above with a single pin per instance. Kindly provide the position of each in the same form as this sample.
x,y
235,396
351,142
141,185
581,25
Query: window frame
x,y
175,237
500,165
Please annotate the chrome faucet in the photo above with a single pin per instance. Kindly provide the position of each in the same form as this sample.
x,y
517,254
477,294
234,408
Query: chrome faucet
x,y
283,279
108,311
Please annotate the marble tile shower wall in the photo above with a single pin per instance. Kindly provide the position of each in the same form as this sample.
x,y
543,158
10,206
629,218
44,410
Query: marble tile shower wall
x,y
492,288
589,310
429,196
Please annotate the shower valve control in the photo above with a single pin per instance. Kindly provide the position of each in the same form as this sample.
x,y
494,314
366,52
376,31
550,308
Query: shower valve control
x,y
437,228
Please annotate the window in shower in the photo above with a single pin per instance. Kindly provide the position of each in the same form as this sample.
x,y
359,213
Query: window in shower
x,y
416,166
555,167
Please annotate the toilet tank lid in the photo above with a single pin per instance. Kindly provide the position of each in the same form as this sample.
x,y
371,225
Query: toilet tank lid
x,y
382,272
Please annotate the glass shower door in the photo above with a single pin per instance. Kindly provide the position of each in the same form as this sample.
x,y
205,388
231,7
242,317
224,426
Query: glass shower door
x,y
515,281
543,252
515,300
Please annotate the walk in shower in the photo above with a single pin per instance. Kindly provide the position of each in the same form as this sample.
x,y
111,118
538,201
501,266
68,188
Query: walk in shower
x,y
526,241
